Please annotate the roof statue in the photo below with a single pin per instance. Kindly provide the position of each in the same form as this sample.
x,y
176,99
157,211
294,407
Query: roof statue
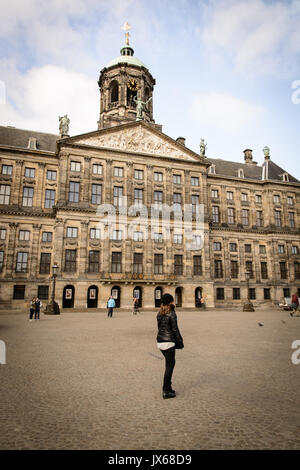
x,y
126,27
64,123
203,147
139,107
266,151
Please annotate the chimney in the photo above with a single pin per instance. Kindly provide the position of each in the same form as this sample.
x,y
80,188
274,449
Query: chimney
x,y
181,140
248,156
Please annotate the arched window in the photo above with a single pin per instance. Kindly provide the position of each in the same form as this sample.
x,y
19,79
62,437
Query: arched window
x,y
114,91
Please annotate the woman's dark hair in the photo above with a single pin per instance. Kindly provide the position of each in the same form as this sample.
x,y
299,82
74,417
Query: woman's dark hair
x,y
164,309
166,306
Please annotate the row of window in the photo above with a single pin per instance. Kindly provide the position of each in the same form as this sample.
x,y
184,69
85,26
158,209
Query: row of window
x,y
28,172
236,293
233,247
234,269
244,197
245,217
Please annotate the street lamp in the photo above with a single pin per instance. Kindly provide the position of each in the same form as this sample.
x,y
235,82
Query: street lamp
x,y
53,307
248,306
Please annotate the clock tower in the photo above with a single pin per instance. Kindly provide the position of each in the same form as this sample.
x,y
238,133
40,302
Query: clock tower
x,y
123,83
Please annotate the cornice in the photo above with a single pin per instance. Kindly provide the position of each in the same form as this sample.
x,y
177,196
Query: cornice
x,y
32,152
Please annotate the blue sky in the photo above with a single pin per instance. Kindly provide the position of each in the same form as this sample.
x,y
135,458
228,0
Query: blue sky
x,y
224,69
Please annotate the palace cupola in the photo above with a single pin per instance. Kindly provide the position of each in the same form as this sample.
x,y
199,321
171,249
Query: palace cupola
x,y
126,89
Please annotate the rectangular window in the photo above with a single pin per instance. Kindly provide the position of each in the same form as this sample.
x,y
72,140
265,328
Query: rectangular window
x,y
218,268
51,175
97,169
286,292
3,234
277,215
19,292
158,237
138,263
295,250
72,232
4,193
27,197
230,215
245,217
194,181
7,170
196,240
197,265
262,249
249,268
220,293
264,270
292,219
217,246
283,270
234,269
177,179
244,197
30,172
258,198
139,174
49,198
95,233
158,264
138,197
138,236
259,218
47,237
45,263
248,248
236,295
22,262
177,238
158,176
96,193
24,235
178,265
94,261
118,196
290,200
232,247
297,270
229,195
195,203
215,193
74,190
216,214
75,166
118,171
276,199
1,261
252,293
158,198
117,235
281,249
116,262
70,261
43,292
267,294
177,201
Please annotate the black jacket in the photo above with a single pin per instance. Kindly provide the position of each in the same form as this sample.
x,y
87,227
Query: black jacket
x,y
168,330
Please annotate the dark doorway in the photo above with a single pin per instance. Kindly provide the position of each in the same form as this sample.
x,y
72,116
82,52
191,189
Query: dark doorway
x,y
198,295
116,294
92,297
178,297
68,296
138,294
157,296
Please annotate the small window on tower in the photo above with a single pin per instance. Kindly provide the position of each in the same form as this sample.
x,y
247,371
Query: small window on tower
x,y
114,91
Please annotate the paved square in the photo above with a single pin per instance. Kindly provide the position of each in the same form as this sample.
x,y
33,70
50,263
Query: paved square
x,y
83,381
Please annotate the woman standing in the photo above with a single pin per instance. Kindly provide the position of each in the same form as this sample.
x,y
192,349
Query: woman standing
x,y
31,309
168,339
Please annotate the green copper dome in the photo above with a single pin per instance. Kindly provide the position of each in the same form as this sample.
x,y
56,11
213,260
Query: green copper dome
x,y
126,57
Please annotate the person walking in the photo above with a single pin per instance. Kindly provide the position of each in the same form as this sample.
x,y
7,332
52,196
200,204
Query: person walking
x,y
38,305
202,301
31,309
110,305
135,308
168,340
295,304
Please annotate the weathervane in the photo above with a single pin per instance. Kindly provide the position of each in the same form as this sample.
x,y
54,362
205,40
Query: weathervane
x,y
126,27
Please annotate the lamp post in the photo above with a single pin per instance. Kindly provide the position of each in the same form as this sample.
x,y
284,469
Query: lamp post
x,y
53,307
248,306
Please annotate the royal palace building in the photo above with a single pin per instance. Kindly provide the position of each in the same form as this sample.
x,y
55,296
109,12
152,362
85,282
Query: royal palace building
x,y
72,202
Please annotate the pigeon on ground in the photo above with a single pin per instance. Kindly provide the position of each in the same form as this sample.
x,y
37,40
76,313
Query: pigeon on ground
x,y
283,321
260,324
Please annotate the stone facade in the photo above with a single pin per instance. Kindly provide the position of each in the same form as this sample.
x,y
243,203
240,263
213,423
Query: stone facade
x,y
51,189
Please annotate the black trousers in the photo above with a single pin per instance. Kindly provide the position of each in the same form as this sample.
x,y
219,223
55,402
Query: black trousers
x,y
31,313
37,314
170,363
110,311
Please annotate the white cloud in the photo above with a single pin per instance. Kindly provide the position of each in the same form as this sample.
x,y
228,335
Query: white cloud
x,y
256,37
42,94
224,112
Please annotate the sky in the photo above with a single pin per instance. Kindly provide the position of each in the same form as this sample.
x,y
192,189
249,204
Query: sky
x,y
227,71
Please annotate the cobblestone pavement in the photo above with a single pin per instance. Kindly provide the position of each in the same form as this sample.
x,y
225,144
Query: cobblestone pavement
x,y
84,381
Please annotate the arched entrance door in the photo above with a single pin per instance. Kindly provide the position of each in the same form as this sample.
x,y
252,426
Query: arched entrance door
x,y
92,297
157,296
68,296
116,295
198,295
178,297
138,294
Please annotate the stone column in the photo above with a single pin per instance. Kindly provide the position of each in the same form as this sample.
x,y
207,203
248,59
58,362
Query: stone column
x,y
17,187
34,257
40,187
58,242
108,180
11,248
83,248
63,189
86,184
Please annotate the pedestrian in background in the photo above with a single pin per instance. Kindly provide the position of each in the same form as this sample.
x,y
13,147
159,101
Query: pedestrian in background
x,y
31,309
295,304
202,301
110,305
168,340
38,305
135,308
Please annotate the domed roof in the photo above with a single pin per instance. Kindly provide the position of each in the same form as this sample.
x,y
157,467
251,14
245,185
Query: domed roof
x,y
126,59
